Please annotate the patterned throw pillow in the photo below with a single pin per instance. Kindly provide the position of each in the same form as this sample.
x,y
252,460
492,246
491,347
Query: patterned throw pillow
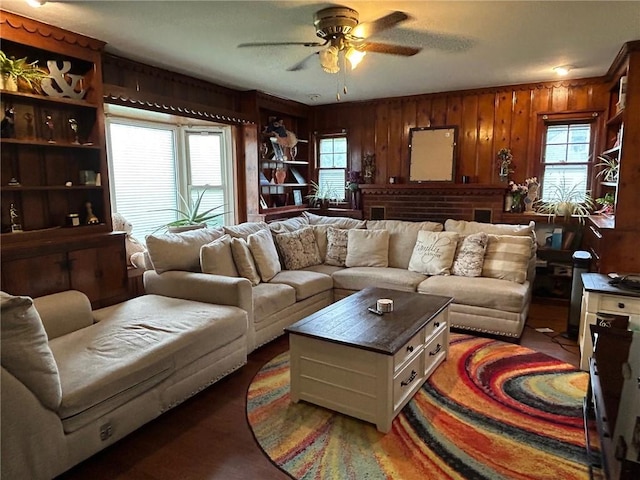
x,y
337,240
470,255
507,257
433,253
299,249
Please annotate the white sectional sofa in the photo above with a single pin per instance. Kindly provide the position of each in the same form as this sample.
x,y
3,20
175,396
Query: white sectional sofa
x,y
76,381
370,253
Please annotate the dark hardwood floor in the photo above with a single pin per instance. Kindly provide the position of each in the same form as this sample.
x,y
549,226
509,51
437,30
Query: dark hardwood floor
x,y
207,437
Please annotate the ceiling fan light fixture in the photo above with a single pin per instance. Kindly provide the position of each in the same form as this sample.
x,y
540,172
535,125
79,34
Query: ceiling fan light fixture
x,y
354,56
36,3
563,70
329,59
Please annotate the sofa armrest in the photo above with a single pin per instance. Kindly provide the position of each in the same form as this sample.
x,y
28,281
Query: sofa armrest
x,y
64,312
201,287
33,443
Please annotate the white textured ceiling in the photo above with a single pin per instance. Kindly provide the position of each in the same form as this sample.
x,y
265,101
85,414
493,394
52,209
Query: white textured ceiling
x,y
467,45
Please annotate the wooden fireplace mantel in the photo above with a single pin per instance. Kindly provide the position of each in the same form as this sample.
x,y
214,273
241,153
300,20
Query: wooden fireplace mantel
x,y
433,188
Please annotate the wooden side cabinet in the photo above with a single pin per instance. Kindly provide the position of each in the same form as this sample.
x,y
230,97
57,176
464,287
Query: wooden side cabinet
x,y
95,265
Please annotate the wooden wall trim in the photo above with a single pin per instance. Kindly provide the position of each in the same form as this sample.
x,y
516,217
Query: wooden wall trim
x,y
434,189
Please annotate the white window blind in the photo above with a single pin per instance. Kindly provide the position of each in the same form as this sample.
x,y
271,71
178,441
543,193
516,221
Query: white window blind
x,y
333,166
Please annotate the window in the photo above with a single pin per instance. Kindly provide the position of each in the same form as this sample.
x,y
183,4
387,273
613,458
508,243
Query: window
x,y
332,165
155,164
566,157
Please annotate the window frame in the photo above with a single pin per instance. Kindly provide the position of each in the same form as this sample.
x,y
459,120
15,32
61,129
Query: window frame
x,y
319,136
544,119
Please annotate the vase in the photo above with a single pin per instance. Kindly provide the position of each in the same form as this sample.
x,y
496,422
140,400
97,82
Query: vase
x,y
508,202
518,205
281,175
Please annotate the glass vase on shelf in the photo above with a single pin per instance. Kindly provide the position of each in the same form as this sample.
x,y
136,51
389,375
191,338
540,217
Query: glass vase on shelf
x,y
517,206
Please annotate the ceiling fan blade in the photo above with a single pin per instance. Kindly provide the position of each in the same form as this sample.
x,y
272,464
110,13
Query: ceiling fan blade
x,y
390,49
279,44
302,64
366,29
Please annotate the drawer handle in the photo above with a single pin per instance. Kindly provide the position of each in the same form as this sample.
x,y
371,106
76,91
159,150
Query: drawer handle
x,y
435,352
620,305
436,324
411,378
409,349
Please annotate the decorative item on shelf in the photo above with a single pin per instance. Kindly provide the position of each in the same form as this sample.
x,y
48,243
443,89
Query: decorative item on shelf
x,y
353,186
15,74
564,199
48,121
87,177
8,124
281,175
278,152
91,218
73,220
189,215
293,153
277,130
610,167
73,124
61,83
369,167
622,94
505,159
13,182
532,194
30,132
320,197
508,201
16,226
607,202
518,193
264,150
297,197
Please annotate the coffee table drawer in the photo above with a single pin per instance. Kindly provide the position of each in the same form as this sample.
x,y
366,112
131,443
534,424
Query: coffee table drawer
x,y
435,351
409,349
434,325
405,381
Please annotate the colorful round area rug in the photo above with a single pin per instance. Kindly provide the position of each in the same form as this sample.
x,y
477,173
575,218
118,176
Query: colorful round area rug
x,y
492,410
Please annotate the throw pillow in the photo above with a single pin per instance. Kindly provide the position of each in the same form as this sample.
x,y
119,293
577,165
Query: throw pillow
x,y
25,349
337,240
216,258
470,255
244,260
337,222
299,249
433,253
289,225
245,229
264,254
180,251
507,257
367,248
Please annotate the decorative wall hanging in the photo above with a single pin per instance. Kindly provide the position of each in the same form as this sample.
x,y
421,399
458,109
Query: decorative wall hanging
x,y
505,159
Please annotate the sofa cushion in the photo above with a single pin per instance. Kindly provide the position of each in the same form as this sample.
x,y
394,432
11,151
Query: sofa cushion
x,y
289,225
337,240
479,291
359,278
470,255
367,248
270,298
216,257
306,283
245,229
244,260
402,237
25,352
298,249
264,254
433,253
337,222
464,227
64,312
322,268
134,346
180,251
507,257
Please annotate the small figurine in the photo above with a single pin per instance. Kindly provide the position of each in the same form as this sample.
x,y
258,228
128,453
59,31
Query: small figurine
x,y
15,219
8,126
13,182
91,218
49,123
276,129
73,124
29,118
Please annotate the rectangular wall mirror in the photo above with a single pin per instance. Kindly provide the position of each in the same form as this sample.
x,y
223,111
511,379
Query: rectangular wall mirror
x,y
432,154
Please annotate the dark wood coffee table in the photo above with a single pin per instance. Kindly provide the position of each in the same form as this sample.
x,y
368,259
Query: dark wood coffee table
x,y
350,360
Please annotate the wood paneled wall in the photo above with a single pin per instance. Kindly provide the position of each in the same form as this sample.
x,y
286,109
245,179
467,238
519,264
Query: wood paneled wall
x,y
487,119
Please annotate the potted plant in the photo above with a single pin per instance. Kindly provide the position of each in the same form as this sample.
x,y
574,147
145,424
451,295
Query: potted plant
x,y
190,216
13,72
321,196
610,167
565,200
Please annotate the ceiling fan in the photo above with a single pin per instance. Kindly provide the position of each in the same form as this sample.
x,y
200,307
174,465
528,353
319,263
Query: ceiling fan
x,y
341,30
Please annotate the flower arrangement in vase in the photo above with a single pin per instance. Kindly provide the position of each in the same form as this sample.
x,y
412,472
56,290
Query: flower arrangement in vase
x,y
518,192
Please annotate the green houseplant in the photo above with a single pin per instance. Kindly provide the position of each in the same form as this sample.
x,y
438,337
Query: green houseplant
x,y
321,196
609,168
13,71
566,199
190,216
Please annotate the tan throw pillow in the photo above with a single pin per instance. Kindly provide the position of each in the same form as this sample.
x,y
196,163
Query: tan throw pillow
x,y
337,240
264,254
299,249
507,257
180,251
216,258
25,349
433,253
289,225
337,222
245,229
470,255
244,260
367,248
